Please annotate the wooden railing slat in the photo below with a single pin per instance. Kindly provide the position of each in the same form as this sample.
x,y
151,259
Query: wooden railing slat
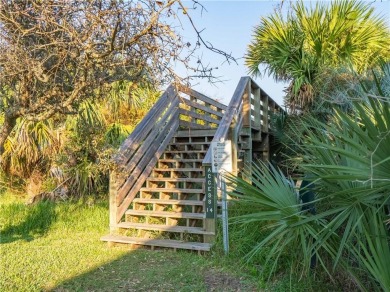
x,y
201,107
246,99
231,112
128,168
145,155
143,128
133,192
194,126
198,116
202,97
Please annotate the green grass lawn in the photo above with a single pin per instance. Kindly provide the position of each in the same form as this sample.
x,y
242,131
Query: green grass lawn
x,y
56,247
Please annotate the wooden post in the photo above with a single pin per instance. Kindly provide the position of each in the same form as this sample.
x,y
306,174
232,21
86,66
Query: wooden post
x,y
265,148
264,99
256,134
246,109
247,130
256,108
265,128
113,201
233,136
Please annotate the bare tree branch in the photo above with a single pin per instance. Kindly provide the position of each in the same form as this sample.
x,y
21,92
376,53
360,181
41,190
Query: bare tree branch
x,y
57,53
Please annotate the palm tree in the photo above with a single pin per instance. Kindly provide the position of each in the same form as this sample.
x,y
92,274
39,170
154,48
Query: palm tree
x,y
304,44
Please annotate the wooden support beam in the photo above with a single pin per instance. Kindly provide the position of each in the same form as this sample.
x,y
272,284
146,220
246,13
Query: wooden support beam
x,y
246,108
112,201
265,115
256,108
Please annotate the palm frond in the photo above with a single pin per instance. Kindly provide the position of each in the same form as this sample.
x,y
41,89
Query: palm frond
x,y
300,46
272,201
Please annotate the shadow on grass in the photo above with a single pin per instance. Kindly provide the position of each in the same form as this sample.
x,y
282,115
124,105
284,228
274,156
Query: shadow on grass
x,y
26,222
143,270
139,270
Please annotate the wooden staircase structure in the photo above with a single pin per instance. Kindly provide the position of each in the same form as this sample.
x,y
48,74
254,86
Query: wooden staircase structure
x,y
158,189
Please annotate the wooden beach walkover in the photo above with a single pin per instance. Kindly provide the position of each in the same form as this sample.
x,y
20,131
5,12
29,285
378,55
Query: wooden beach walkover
x,y
158,189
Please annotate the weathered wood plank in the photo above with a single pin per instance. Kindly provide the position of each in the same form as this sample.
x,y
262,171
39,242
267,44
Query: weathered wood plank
x,y
210,226
256,110
148,152
148,169
143,128
184,151
169,114
158,242
231,112
176,179
196,133
201,107
194,126
113,203
172,190
166,228
265,115
165,214
246,99
184,160
202,97
169,202
198,116
177,170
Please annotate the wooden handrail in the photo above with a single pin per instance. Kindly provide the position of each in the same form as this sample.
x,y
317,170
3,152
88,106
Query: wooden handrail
x,y
248,110
152,155
198,111
141,158
132,142
140,151
231,112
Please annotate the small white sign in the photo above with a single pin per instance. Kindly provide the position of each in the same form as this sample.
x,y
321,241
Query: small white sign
x,y
221,153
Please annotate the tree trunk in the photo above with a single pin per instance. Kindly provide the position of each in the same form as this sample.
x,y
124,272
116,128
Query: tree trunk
x,y
5,130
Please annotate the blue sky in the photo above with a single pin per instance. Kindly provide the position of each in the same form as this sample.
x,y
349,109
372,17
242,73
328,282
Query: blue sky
x,y
228,25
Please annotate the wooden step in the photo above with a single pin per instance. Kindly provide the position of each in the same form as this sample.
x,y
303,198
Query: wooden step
x,y
158,242
164,214
184,151
173,202
189,143
172,190
179,179
178,169
244,134
180,160
166,228
169,202
195,133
